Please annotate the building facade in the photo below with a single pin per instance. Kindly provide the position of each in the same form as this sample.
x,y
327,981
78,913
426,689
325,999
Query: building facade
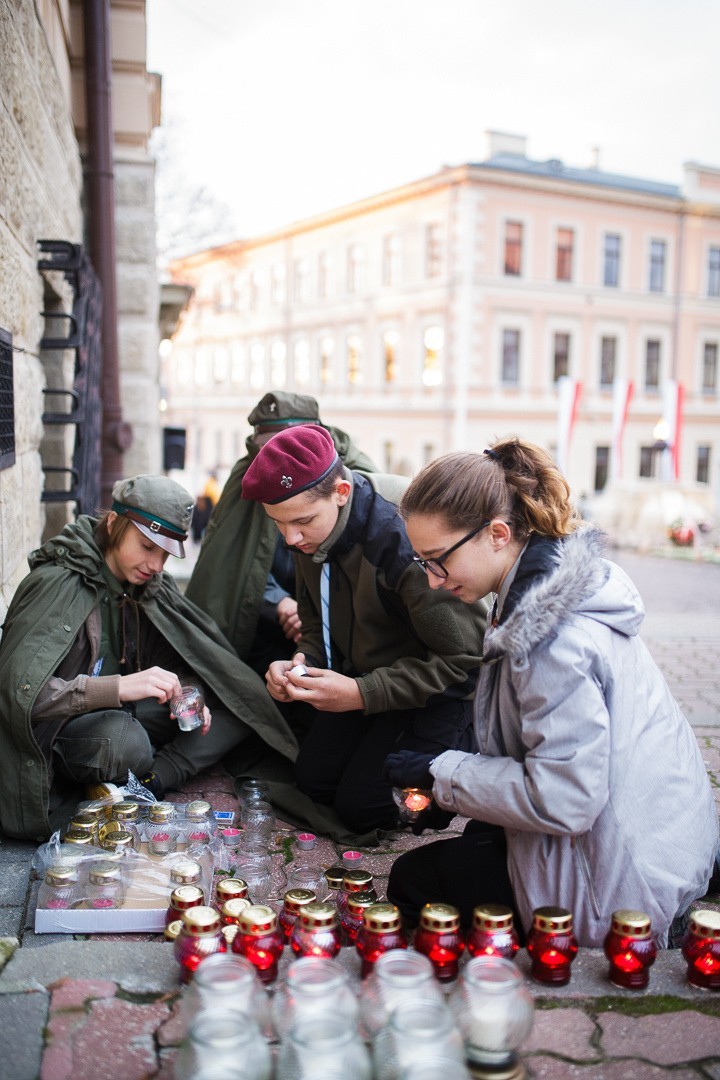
x,y
577,308
43,196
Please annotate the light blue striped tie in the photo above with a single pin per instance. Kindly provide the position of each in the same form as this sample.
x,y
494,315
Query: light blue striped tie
x,y
325,610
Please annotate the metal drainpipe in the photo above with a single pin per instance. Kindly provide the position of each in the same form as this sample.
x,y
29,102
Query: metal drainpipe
x,y
99,180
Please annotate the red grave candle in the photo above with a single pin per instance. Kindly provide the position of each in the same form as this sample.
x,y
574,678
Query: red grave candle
x,y
630,948
293,903
701,949
380,932
259,940
182,899
316,932
552,945
439,937
352,917
200,937
492,932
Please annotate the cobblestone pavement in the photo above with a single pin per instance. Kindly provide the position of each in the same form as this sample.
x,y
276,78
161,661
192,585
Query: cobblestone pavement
x,y
86,1008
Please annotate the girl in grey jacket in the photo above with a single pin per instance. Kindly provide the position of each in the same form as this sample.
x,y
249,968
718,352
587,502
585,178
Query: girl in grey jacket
x,y
588,791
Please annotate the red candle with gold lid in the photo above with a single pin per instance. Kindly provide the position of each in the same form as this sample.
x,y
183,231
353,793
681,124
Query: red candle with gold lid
x,y
630,948
293,903
200,937
439,937
701,949
259,940
381,931
182,899
552,945
316,932
493,932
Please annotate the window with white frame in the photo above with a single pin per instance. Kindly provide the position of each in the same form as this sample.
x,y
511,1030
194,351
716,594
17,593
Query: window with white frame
x,y
390,341
355,267
433,344
602,467
391,259
647,462
702,468
324,266
713,282
564,254
302,362
709,383
510,360
433,249
327,349
513,248
278,363
611,260
354,359
608,360
656,281
302,280
561,355
652,364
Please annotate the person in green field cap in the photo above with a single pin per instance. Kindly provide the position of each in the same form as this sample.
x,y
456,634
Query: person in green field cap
x,y
96,643
245,575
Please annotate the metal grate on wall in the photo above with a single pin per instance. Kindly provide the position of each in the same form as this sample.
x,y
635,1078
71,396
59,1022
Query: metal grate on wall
x,y
7,402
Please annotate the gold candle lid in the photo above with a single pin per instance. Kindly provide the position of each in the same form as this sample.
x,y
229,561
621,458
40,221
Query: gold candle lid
x,y
228,888
705,923
232,909
161,811
229,930
78,836
61,875
84,821
632,924
440,917
115,839
552,919
200,921
172,929
359,901
382,918
492,917
105,873
334,876
98,810
295,899
185,872
315,916
186,896
125,811
197,809
356,880
258,920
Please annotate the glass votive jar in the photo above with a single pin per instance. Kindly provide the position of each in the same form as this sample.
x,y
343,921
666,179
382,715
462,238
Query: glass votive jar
x,y
198,824
186,872
227,982
126,815
259,940
293,902
216,1040
79,838
438,937
381,932
324,1046
182,899
353,881
232,910
254,790
118,841
701,949
172,929
256,871
435,1066
493,1009
630,948
105,887
188,707
83,821
313,986
258,819
411,802
352,917
99,810
414,1030
308,877
161,831
492,932
334,877
200,937
59,888
316,931
229,888
397,976
552,945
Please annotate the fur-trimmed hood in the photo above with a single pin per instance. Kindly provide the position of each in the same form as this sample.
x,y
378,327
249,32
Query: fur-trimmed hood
x,y
557,579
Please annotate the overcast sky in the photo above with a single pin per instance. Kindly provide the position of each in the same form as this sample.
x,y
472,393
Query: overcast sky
x,y
285,108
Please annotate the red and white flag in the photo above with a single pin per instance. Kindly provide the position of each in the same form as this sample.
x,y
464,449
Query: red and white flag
x,y
622,396
568,398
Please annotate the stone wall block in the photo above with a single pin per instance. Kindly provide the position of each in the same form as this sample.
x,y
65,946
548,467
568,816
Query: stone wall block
x,y
11,517
138,343
134,186
134,236
29,380
137,290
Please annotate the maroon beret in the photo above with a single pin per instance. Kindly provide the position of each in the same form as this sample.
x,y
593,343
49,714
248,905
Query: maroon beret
x,y
289,463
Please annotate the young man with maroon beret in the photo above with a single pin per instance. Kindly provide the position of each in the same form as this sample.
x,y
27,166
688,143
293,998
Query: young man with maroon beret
x,y
390,663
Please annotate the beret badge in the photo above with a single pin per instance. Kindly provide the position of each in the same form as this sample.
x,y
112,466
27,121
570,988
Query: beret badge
x,y
286,481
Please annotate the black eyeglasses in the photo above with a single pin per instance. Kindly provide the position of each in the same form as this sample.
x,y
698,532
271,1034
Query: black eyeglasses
x,y
437,566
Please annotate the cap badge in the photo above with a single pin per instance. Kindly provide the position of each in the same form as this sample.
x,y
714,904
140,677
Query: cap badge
x,y
273,407
286,481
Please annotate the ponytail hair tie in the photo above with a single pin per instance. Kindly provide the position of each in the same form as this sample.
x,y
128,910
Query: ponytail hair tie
x,y
492,454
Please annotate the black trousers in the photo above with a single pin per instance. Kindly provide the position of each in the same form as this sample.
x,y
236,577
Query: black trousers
x,y
342,756
464,871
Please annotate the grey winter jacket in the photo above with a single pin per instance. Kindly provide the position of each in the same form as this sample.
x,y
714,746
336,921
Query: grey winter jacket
x,y
585,757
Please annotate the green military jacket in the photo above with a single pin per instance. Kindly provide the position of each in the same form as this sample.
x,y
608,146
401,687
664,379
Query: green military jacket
x,y
48,611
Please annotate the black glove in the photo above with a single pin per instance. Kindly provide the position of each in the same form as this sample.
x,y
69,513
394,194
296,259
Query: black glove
x,y
432,818
408,768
